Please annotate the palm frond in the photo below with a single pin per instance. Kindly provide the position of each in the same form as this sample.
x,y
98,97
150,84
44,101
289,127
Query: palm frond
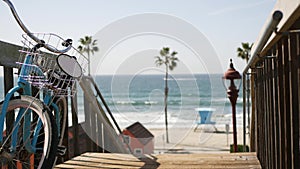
x,y
174,53
169,60
80,48
95,48
88,45
239,49
174,64
94,43
158,61
244,51
162,53
166,49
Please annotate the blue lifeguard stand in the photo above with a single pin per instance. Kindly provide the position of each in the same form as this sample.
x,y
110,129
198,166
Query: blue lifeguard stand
x,y
205,116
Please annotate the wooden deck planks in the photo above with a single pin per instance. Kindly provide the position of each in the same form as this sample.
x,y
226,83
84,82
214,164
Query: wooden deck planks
x,y
205,160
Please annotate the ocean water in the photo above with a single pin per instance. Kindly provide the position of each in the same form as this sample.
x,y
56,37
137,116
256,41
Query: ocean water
x,y
140,98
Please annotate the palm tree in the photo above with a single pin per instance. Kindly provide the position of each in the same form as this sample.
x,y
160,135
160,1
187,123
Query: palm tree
x,y
88,46
170,61
244,51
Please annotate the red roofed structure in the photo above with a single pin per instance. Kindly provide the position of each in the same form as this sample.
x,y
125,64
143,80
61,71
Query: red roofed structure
x,y
140,140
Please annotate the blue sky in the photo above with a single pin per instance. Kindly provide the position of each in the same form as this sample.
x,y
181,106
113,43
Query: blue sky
x,y
224,23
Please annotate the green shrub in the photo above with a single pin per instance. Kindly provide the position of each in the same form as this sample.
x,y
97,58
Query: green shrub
x,y
240,148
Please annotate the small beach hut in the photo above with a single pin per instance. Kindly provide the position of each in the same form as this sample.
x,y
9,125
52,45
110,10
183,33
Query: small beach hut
x,y
140,140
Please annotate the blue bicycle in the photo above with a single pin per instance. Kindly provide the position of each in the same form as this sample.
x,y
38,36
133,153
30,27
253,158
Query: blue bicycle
x,y
32,125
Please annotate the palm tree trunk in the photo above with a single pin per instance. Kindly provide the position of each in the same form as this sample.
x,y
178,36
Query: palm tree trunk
x,y
166,104
89,63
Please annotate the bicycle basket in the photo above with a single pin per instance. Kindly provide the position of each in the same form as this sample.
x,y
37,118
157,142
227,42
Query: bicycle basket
x,y
44,71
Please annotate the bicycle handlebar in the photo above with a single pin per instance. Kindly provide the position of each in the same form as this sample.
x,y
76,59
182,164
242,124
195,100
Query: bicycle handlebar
x,y
67,43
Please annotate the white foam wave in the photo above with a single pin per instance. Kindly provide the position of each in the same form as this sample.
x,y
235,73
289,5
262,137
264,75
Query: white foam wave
x,y
150,102
125,102
181,79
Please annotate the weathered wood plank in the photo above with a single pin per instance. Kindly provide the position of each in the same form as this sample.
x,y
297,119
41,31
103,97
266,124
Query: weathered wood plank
x,y
108,160
294,98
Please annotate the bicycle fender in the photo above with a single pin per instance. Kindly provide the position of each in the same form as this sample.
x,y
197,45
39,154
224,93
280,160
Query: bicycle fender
x,y
8,96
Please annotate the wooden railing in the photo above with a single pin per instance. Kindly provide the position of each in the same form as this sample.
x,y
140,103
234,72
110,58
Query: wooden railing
x,y
275,97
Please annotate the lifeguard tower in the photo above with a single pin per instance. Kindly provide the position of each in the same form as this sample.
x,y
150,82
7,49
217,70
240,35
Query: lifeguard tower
x,y
204,116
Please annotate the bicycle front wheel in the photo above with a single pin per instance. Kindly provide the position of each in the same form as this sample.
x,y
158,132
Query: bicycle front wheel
x,y
60,116
30,137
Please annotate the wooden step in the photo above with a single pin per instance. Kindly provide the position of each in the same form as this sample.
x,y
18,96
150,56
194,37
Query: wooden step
x,y
204,160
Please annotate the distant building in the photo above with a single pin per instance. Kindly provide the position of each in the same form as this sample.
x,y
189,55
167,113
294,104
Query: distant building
x,y
140,140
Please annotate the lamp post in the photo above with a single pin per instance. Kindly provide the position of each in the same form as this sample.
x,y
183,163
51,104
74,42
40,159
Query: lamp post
x,y
230,79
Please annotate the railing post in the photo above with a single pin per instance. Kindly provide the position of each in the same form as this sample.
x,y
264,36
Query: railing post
x,y
253,135
294,52
75,123
281,104
8,84
287,108
87,123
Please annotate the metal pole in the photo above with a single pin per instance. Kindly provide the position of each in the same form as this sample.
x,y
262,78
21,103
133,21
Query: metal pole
x,y
248,105
227,131
263,39
233,95
244,113
234,127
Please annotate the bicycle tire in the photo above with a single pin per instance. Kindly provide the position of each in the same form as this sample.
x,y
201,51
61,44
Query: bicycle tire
x,y
61,102
62,106
47,140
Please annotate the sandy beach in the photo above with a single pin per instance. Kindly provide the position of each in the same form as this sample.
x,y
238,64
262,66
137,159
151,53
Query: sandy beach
x,y
205,139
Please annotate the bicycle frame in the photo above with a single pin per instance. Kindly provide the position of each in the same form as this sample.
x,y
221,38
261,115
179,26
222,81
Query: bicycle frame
x,y
25,86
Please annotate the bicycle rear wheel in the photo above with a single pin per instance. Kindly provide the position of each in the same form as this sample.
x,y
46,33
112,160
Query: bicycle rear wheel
x,y
42,138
